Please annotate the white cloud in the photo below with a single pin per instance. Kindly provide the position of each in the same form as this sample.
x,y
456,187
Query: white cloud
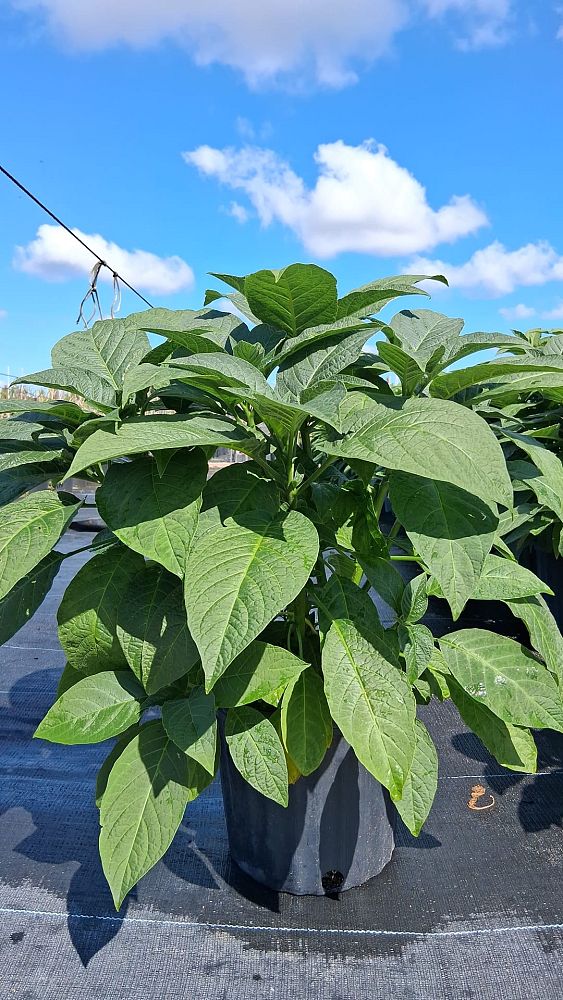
x,y
482,23
55,256
555,314
238,212
520,311
495,271
270,40
362,201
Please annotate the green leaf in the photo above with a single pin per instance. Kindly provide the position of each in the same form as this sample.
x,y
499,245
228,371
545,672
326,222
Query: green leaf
x,y
548,485
72,675
257,752
285,418
66,410
183,325
155,514
418,649
21,603
421,784
222,370
95,390
502,675
450,529
314,336
143,805
152,433
512,747
414,601
294,298
371,703
239,488
15,459
14,482
371,298
192,724
423,333
107,349
543,629
305,721
385,580
406,367
256,674
313,366
87,614
241,574
451,383
153,631
434,438
341,598
94,709
107,766
504,579
29,528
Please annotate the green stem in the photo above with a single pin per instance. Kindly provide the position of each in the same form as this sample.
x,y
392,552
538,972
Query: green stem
x,y
315,475
394,530
405,559
380,498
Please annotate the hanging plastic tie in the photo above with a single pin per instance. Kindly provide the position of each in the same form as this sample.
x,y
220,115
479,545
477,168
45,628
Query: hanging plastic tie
x,y
92,294
116,304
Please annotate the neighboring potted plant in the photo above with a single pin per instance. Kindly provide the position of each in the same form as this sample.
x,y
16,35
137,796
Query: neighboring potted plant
x,y
251,598
521,397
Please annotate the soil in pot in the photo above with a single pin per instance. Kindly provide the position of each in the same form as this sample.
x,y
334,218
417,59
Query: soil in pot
x,y
337,831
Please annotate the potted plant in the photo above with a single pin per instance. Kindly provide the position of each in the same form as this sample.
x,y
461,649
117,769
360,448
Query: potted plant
x,y
521,397
241,611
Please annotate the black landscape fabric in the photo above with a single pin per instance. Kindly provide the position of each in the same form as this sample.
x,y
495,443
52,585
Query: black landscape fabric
x,y
471,910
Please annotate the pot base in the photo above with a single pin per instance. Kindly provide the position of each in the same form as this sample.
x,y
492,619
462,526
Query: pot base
x,y
336,833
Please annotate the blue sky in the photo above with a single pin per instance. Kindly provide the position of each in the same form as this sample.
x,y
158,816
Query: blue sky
x,y
238,138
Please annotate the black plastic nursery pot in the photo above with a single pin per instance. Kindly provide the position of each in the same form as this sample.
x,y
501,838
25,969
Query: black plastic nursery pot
x,y
336,833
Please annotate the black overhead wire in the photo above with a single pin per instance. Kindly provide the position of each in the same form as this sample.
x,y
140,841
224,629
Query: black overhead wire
x,y
102,263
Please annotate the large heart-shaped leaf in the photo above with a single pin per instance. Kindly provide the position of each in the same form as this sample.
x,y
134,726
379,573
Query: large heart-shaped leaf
x,y
147,791
155,514
94,709
502,675
305,721
29,528
434,438
241,574
513,747
421,784
87,614
107,349
192,724
21,603
371,703
153,433
257,673
153,631
294,298
452,531
257,752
